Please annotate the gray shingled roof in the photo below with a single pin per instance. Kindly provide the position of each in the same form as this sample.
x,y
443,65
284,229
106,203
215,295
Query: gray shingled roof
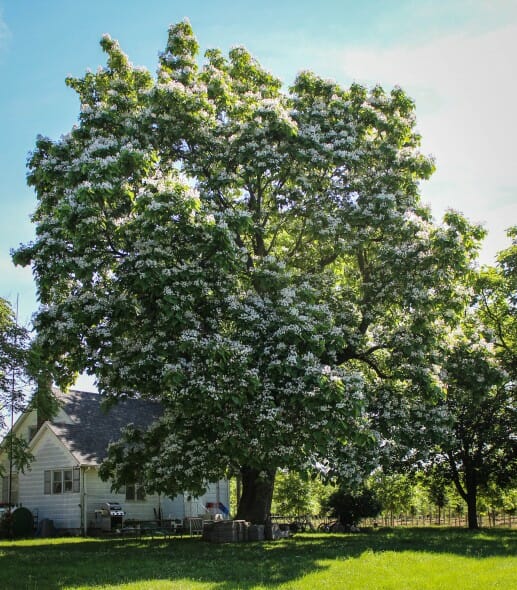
x,y
93,428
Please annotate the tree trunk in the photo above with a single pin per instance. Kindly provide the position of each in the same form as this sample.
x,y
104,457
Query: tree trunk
x,y
238,490
257,494
471,486
472,508
467,492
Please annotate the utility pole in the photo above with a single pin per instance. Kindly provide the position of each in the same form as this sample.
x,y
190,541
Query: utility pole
x,y
11,439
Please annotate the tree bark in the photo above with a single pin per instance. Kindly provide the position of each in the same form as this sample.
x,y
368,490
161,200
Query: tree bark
x,y
472,508
257,494
471,489
467,492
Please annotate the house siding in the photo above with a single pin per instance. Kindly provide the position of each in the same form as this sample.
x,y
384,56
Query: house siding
x,y
27,423
218,492
99,492
63,509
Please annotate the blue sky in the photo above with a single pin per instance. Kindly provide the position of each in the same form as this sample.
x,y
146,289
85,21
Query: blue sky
x,y
456,58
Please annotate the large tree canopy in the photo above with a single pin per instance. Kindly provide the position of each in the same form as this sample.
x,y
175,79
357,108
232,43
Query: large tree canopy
x,y
257,259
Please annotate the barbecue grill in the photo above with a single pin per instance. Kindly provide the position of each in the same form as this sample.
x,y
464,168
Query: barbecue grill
x,y
110,515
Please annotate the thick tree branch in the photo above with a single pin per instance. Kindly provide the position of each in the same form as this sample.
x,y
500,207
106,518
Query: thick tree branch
x,y
497,322
350,353
456,476
299,240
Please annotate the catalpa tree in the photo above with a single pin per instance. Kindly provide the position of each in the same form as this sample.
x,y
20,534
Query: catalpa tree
x,y
256,259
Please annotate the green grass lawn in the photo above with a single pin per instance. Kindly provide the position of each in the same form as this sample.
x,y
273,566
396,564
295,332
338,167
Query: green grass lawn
x,y
420,559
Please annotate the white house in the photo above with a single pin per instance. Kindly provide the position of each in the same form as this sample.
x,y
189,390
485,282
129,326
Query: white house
x,y
63,484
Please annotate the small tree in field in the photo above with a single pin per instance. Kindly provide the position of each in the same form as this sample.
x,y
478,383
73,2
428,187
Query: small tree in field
x,y
394,492
292,494
257,260
297,494
436,482
480,402
350,507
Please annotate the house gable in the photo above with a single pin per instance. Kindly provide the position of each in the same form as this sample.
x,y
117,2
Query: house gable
x,y
25,426
47,442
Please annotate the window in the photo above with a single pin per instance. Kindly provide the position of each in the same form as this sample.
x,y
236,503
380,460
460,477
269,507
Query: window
x,y
31,432
47,482
57,482
61,481
135,491
72,482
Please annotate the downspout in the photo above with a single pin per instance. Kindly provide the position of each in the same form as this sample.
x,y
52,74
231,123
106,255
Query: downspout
x,y
84,501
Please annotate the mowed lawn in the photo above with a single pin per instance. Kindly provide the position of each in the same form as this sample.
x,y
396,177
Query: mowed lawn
x,y
423,559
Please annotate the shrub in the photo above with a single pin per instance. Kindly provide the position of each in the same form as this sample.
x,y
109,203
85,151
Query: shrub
x,y
350,508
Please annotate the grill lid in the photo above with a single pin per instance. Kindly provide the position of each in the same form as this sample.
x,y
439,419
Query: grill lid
x,y
114,508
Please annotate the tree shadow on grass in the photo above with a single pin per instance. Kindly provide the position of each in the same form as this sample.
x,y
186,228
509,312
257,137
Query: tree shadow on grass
x,y
93,562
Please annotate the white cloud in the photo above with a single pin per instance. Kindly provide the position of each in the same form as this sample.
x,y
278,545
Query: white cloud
x,y
465,88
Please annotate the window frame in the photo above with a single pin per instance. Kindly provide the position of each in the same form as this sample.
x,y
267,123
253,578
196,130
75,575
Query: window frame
x,y
57,482
135,492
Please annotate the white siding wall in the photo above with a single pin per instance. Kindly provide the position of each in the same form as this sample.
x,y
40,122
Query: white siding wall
x,y
4,488
216,492
64,508
173,507
23,427
4,464
98,492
